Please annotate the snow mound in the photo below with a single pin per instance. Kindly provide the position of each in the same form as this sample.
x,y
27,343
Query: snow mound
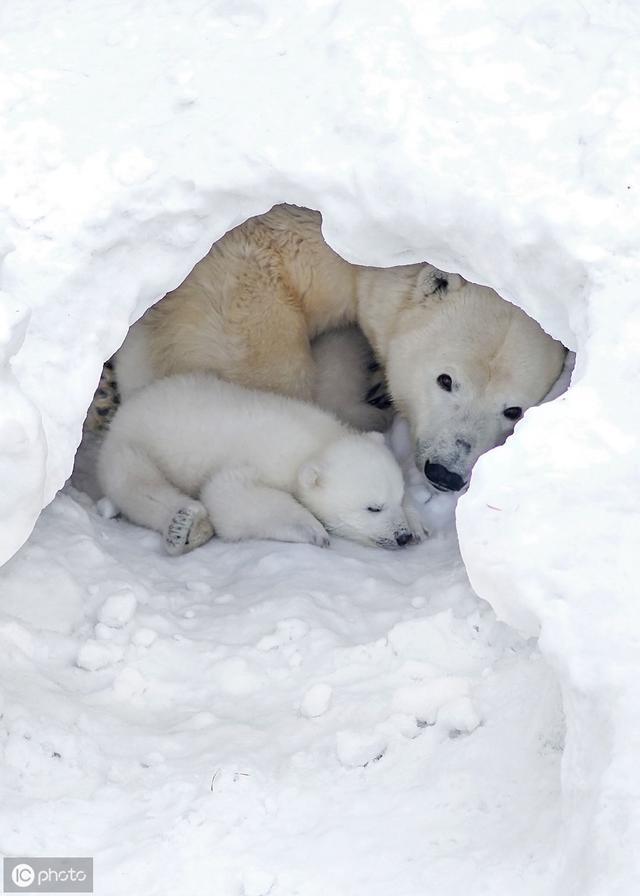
x,y
272,717
491,138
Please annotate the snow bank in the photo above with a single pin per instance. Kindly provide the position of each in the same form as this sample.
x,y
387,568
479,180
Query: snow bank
x,y
492,138
264,715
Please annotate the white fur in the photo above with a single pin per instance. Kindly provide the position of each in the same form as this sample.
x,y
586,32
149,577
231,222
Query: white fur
x,y
497,357
249,310
342,359
191,454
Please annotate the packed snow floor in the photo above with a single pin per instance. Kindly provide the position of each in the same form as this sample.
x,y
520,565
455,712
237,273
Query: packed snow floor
x,y
269,718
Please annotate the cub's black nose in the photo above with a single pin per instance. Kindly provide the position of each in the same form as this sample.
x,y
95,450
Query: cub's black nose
x,y
442,478
403,538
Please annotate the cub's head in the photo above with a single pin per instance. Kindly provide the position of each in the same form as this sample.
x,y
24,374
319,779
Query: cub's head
x,y
355,488
463,366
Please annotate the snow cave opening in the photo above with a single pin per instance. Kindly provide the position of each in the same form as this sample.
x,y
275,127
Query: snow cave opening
x,y
349,677
436,582
270,718
363,366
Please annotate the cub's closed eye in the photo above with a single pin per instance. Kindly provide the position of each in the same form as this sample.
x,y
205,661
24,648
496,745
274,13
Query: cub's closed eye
x,y
445,382
513,413
374,509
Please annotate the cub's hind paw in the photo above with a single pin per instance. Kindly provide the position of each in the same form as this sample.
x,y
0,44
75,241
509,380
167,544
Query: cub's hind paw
x,y
189,528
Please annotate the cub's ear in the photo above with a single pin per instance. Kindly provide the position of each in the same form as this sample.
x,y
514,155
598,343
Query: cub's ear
x,y
310,475
376,437
434,282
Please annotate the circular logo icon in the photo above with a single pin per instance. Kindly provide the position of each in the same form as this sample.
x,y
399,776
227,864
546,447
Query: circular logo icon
x,y
23,875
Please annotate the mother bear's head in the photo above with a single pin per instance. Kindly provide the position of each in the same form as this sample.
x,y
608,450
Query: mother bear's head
x,y
463,365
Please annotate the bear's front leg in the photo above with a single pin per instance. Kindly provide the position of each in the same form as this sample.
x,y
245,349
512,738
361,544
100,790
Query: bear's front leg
x,y
416,526
242,508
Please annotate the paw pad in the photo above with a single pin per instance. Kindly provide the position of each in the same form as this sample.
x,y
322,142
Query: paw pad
x,y
189,528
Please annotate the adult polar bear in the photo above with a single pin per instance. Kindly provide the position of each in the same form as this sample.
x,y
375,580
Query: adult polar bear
x,y
462,364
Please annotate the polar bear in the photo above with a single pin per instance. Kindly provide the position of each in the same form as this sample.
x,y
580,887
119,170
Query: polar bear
x,y
462,364
247,464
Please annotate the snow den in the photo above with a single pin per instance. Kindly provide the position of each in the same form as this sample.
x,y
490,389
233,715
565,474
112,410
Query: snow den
x,y
266,718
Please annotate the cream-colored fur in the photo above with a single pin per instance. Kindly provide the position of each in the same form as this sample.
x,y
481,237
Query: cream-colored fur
x,y
249,310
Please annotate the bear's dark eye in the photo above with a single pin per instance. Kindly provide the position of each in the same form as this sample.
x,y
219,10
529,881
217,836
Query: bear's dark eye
x,y
445,382
374,509
513,413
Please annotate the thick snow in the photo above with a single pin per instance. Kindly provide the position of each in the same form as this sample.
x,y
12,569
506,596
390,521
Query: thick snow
x,y
493,138
270,718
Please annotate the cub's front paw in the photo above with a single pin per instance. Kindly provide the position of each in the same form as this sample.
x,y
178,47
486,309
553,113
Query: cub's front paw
x,y
320,538
189,528
307,533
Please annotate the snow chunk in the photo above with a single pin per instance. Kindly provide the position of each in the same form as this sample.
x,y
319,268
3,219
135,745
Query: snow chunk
x,y
425,700
144,637
119,609
129,684
459,716
316,701
359,748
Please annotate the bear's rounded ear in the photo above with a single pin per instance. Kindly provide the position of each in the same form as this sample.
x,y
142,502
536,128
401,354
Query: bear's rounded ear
x,y
376,437
309,475
432,282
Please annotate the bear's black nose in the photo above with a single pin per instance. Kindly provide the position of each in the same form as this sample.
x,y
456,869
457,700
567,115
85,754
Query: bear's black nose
x,y
403,538
442,478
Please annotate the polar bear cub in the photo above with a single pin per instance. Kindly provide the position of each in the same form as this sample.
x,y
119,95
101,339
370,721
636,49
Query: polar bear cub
x,y
192,455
